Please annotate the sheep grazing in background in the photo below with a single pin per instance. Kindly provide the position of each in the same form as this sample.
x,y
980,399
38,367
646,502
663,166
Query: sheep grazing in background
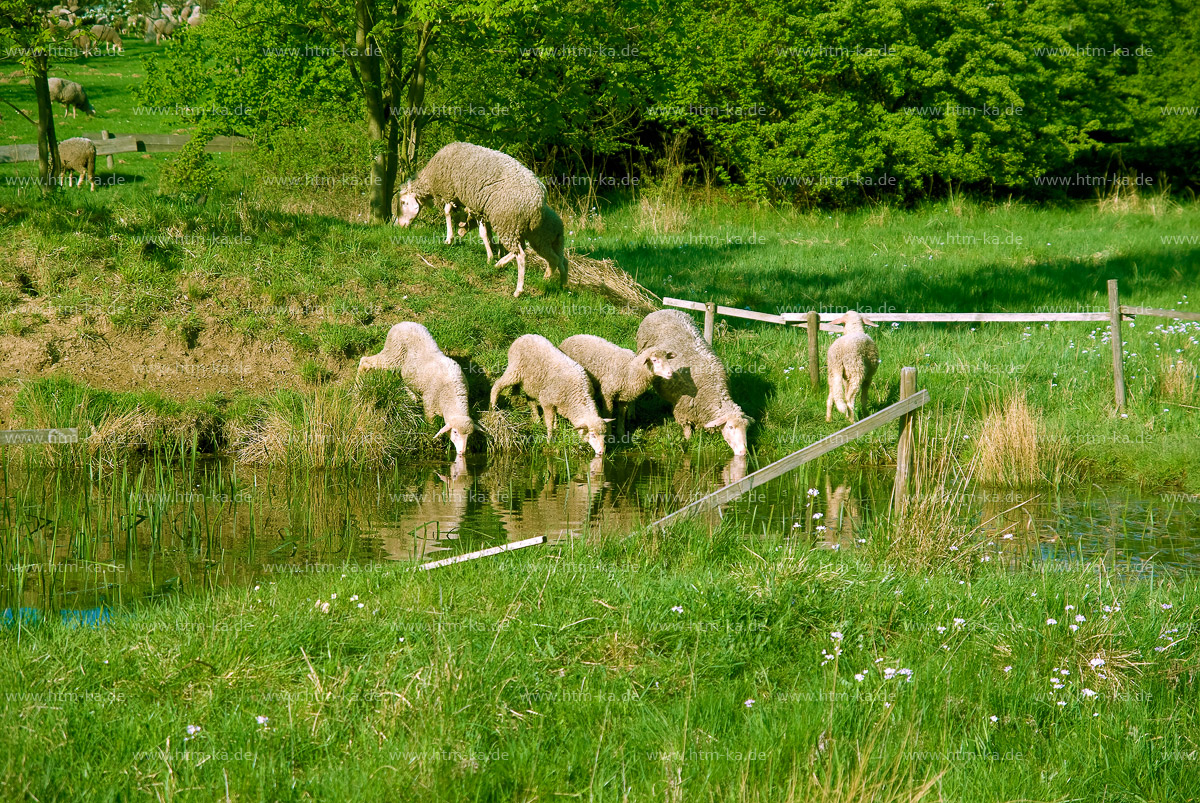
x,y
195,17
557,383
699,389
438,379
78,155
109,36
72,96
503,193
852,361
159,29
619,374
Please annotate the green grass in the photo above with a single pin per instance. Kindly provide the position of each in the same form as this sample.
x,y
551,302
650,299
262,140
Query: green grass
x,y
568,671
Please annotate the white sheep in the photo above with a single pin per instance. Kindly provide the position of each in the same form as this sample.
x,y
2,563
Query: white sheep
x,y
72,96
503,193
852,361
109,36
620,374
78,154
159,29
557,383
438,379
699,389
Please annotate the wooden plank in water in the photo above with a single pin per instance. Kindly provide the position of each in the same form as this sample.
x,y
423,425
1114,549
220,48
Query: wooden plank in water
x,y
483,553
797,459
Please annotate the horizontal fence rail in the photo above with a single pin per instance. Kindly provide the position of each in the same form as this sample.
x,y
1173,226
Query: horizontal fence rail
x,y
133,143
797,459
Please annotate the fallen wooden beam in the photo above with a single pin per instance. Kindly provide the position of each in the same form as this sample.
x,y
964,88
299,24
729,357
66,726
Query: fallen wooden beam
x,y
483,553
796,459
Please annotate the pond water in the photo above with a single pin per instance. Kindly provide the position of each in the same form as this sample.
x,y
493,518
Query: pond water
x,y
76,542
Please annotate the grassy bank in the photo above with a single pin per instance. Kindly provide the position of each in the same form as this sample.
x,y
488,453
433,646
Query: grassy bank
x,y
222,304
685,666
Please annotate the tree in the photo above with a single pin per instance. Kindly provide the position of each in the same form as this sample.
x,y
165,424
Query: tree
x,y
27,37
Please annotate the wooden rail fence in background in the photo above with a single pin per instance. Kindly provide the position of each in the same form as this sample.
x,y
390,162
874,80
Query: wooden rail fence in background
x,y
107,144
1117,312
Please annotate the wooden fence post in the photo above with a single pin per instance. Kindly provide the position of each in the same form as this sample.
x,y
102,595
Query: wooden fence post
x,y
814,353
1114,318
710,320
108,160
904,448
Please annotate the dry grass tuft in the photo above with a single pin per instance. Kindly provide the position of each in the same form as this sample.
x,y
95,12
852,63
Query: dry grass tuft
x,y
606,277
506,431
1128,198
1014,449
327,430
1180,381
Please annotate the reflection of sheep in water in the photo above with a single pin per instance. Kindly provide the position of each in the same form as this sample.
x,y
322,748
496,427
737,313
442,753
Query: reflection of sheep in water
x,y
557,383
439,380
501,192
620,374
78,155
72,96
852,360
699,389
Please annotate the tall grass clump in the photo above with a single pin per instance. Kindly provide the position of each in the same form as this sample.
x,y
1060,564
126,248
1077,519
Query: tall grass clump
x,y
1015,449
1180,381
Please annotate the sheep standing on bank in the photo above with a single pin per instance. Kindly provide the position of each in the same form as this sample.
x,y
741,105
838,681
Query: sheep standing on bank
x,y
504,194
852,361
78,154
620,374
438,379
699,389
109,36
72,96
557,383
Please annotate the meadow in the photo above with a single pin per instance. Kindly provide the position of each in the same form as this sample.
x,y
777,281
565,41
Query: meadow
x,y
737,662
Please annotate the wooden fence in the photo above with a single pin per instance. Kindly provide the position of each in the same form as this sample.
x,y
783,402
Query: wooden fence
x,y
812,321
910,400
108,144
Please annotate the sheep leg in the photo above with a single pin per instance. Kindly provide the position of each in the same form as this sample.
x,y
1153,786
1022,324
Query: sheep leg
x,y
687,432
619,410
507,380
837,395
866,387
449,225
485,234
551,414
534,413
851,400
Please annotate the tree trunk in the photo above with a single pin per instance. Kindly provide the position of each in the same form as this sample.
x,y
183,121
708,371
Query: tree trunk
x,y
382,140
415,118
48,161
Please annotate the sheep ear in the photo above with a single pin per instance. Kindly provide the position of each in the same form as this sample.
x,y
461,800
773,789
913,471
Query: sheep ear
x,y
716,422
608,420
868,321
840,319
443,431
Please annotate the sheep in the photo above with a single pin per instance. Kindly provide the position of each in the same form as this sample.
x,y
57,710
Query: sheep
x,y
159,29
502,191
79,155
699,390
439,379
109,36
620,374
852,360
72,96
557,383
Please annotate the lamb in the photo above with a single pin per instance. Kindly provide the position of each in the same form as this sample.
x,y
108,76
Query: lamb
x,y
620,374
79,155
109,36
502,191
852,361
699,389
439,379
557,383
72,96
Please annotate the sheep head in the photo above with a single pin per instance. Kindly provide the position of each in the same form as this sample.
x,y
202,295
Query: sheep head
x,y
656,361
852,322
733,429
593,432
410,205
460,429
